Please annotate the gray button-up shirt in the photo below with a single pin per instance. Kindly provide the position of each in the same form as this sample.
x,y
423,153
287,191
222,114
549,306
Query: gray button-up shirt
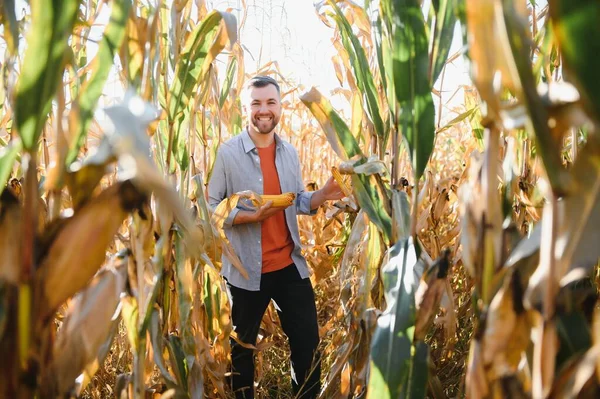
x,y
237,168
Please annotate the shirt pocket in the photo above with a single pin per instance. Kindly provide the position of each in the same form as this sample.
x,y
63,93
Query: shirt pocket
x,y
246,175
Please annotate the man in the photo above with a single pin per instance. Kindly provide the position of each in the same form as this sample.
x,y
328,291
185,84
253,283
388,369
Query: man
x,y
267,240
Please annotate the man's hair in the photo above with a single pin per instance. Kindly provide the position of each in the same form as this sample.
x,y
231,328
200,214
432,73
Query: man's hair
x,y
261,81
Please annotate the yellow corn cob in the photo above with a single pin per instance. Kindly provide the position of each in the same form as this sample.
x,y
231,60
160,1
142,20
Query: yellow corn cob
x,y
340,181
281,200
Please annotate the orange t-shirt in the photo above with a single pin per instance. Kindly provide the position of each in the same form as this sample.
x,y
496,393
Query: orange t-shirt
x,y
277,244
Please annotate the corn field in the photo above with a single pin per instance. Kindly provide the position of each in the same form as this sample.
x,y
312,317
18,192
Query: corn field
x,y
463,264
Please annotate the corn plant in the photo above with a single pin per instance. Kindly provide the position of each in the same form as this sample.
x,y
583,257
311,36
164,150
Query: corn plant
x,y
398,113
534,330
54,256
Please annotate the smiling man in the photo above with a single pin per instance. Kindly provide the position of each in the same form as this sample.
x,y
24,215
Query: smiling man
x,y
267,240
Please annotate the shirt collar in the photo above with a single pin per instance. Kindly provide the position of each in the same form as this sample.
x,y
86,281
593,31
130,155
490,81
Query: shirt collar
x,y
249,144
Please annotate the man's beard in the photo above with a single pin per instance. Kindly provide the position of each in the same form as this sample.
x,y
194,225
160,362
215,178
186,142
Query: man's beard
x,y
264,127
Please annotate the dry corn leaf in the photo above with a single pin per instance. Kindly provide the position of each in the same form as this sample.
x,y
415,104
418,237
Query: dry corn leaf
x,y
544,357
572,381
476,379
429,294
87,331
79,248
218,218
10,237
493,63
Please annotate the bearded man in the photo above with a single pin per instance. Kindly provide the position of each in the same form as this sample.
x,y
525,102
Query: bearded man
x,y
267,240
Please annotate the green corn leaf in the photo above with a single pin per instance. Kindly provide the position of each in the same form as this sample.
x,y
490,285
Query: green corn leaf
x,y
406,61
574,335
460,118
178,360
83,108
130,314
8,156
11,25
392,345
369,190
203,45
575,24
207,300
362,72
442,38
229,76
184,281
157,345
378,46
400,215
51,25
417,383
372,197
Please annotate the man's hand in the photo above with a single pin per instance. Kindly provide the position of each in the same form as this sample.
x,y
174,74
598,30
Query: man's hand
x,y
332,190
265,211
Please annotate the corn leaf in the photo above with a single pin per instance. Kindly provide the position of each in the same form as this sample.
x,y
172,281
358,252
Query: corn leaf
x,y
458,119
442,38
178,360
157,345
575,23
11,25
337,132
406,60
548,147
78,250
391,349
573,333
87,331
8,156
83,109
417,384
578,218
362,72
11,228
229,77
400,215
369,190
43,65
202,46
184,281
130,314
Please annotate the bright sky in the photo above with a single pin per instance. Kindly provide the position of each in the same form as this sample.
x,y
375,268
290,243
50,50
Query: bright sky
x,y
290,32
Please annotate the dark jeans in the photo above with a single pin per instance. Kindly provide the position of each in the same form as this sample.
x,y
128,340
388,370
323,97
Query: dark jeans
x,y
295,304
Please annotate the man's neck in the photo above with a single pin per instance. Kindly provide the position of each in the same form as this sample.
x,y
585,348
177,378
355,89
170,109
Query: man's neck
x,y
261,140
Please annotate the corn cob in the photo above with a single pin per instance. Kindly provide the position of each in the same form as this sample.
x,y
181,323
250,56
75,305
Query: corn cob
x,y
340,181
281,200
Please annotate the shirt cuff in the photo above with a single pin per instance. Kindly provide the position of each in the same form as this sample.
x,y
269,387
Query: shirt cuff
x,y
229,221
303,204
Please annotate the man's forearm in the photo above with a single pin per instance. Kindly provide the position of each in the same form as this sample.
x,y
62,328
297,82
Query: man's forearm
x,y
317,199
244,217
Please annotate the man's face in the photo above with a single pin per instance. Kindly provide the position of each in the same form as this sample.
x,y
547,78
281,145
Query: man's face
x,y
263,108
